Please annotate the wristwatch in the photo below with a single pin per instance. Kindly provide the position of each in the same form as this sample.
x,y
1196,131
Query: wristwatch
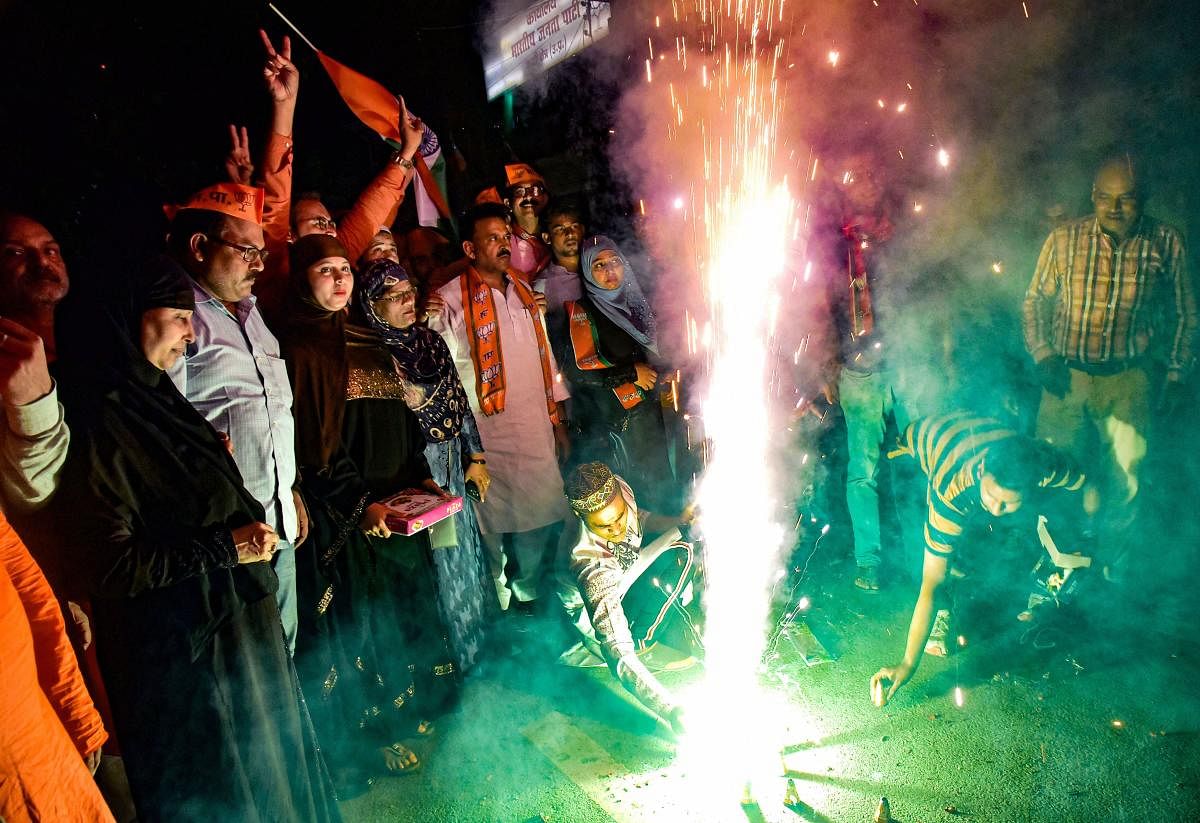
x,y
402,161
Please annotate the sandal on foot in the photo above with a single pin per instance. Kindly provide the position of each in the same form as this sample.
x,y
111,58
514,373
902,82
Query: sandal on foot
x,y
398,759
426,728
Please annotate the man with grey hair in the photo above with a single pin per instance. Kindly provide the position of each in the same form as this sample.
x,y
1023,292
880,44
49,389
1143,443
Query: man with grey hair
x,y
233,372
1107,289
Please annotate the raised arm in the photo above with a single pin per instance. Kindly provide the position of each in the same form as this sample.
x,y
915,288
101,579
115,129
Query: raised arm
x,y
282,82
380,198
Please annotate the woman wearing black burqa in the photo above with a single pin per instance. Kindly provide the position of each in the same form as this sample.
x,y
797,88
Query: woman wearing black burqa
x,y
156,525
372,649
613,341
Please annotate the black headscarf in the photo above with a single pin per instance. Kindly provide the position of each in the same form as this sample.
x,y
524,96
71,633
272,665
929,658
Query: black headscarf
x,y
149,494
421,354
314,342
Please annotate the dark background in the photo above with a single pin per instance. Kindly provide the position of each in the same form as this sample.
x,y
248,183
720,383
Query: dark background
x,y
108,110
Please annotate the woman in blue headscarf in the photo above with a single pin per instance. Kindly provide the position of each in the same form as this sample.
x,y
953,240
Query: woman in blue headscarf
x,y
615,410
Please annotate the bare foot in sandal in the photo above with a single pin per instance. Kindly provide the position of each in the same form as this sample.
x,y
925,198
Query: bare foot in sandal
x,y
399,759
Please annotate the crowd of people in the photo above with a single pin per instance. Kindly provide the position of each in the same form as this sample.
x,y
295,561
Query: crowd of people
x,y
203,577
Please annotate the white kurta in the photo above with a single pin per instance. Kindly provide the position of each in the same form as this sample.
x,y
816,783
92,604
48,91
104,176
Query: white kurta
x,y
527,490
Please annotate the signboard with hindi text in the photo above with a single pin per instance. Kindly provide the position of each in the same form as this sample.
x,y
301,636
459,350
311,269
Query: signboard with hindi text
x,y
530,41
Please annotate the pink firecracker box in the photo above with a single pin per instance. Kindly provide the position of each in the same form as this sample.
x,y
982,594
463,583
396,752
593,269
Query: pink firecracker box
x,y
412,510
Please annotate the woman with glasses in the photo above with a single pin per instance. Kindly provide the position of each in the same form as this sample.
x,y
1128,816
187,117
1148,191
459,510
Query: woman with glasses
x,y
386,304
372,649
616,412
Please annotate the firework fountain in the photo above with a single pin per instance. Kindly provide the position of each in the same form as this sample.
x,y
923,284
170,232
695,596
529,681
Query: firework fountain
x,y
722,98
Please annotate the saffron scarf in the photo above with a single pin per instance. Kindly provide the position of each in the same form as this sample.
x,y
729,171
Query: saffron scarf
x,y
587,354
483,335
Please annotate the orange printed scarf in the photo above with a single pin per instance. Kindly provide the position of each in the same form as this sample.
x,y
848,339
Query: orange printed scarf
x,y
588,357
483,335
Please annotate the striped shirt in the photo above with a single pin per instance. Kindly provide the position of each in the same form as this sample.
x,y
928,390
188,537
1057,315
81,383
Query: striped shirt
x,y
235,377
1094,301
950,449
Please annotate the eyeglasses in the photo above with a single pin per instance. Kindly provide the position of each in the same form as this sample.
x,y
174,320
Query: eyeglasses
x,y
407,294
611,263
249,253
322,223
528,191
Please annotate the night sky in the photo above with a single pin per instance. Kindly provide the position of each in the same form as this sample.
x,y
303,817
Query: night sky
x,y
111,108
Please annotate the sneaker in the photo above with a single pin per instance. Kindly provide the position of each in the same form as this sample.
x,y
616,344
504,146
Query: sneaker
x,y
868,579
937,644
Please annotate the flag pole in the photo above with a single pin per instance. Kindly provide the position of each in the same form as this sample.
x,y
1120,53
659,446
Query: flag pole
x,y
292,26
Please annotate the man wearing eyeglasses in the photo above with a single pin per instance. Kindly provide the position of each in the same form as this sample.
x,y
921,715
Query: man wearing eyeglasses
x,y
233,372
526,197
1105,288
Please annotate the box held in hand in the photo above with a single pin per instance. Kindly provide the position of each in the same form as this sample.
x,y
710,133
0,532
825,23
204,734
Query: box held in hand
x,y
413,510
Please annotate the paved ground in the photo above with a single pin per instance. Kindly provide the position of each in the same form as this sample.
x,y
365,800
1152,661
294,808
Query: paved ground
x,y
1094,718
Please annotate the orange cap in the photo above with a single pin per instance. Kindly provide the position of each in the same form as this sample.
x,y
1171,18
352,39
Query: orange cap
x,y
522,174
233,199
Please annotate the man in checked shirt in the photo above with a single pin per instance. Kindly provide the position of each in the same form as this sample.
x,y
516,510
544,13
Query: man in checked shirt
x,y
1110,293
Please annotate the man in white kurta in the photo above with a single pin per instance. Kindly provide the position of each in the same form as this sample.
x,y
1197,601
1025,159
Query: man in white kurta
x,y
524,506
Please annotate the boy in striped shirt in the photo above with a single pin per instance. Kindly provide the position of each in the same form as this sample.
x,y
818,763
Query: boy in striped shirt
x,y
973,464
